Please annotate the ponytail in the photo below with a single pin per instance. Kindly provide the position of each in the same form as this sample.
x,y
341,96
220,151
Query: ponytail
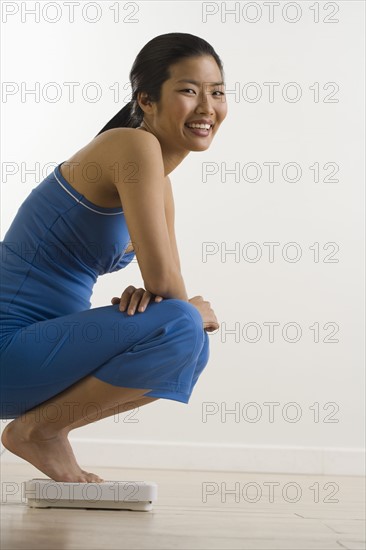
x,y
128,116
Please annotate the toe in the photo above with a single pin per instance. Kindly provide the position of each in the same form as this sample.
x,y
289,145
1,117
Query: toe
x,y
93,478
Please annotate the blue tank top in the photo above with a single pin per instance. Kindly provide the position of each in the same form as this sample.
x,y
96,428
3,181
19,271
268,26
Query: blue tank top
x,y
53,252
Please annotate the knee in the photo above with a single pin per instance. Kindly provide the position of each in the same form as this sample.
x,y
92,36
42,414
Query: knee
x,y
192,339
188,310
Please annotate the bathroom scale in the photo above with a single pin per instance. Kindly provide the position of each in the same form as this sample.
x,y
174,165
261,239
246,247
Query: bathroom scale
x,y
112,495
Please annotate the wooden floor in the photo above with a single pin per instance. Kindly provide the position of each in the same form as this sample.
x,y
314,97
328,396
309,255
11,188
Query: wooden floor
x,y
301,516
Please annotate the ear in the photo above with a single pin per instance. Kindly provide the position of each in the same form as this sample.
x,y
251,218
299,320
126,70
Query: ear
x,y
144,102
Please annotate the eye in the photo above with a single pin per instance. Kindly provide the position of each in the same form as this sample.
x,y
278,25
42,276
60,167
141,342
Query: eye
x,y
214,92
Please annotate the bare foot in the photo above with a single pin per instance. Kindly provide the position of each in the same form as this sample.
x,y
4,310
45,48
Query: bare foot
x,y
52,456
92,478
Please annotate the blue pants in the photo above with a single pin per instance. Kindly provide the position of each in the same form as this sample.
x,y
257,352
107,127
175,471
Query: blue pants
x,y
163,349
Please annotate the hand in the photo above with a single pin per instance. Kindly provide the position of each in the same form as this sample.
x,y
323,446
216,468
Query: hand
x,y
209,319
133,297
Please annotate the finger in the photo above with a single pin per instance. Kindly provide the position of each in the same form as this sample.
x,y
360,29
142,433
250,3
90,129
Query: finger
x,y
115,300
145,300
126,296
211,327
135,299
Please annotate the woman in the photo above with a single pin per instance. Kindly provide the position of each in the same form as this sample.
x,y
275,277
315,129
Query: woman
x,y
64,365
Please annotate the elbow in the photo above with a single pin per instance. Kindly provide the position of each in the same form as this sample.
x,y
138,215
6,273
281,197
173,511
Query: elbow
x,y
159,288
162,286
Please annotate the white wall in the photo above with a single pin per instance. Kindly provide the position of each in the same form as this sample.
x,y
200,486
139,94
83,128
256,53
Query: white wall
x,y
323,129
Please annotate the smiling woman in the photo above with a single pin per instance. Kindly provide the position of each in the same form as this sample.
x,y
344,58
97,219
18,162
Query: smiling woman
x,y
162,60
72,228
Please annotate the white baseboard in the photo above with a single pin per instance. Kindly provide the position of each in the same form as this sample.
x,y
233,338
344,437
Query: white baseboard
x,y
214,457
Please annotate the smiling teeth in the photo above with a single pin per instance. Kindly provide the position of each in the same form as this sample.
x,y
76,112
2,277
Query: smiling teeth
x,y
202,126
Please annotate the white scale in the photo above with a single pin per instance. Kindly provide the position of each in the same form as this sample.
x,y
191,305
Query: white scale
x,y
112,495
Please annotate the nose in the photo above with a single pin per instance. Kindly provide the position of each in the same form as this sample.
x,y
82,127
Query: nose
x,y
205,104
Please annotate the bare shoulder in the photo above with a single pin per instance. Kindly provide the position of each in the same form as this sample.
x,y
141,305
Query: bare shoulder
x,y
119,140
128,151
119,154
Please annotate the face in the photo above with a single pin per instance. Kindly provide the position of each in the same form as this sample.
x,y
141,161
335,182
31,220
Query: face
x,y
189,95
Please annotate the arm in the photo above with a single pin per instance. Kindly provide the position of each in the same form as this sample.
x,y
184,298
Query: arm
x,y
170,216
142,197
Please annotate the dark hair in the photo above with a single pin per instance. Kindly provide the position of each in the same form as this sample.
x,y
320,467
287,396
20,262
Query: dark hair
x,y
151,69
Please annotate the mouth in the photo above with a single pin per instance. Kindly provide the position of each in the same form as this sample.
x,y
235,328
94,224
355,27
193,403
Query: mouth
x,y
202,132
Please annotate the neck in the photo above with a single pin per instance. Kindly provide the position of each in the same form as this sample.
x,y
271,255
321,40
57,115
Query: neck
x,y
171,156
